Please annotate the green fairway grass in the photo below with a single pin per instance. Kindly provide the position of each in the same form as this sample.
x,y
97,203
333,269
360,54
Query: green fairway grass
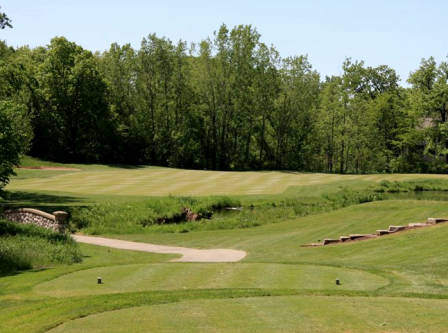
x,y
131,278
394,283
274,314
155,181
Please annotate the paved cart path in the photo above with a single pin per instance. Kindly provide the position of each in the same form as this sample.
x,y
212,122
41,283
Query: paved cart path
x,y
188,254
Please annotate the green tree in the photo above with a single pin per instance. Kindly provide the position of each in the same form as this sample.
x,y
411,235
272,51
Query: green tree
x,y
74,122
330,118
365,115
213,79
154,81
15,135
266,90
429,100
15,130
119,70
295,116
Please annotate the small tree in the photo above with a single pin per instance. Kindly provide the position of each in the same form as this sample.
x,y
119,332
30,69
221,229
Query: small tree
x,y
15,135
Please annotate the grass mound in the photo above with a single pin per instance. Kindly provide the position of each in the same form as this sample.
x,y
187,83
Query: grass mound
x,y
28,246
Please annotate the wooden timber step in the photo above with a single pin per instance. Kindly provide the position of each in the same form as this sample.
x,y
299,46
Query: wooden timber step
x,y
418,225
435,220
392,229
384,232
330,241
395,228
356,236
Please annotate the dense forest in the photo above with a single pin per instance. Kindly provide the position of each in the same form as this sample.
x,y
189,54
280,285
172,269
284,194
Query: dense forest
x,y
229,102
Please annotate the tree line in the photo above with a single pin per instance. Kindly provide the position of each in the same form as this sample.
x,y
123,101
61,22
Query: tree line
x,y
228,102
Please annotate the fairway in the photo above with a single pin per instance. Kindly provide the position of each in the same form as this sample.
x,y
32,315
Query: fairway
x,y
149,181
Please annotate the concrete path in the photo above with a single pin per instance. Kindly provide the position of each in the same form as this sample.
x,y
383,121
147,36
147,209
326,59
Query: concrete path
x,y
188,254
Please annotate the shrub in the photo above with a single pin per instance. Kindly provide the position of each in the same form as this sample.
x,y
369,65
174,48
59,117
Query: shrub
x,y
138,217
29,246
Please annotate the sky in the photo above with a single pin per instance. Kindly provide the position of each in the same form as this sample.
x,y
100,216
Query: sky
x,y
397,33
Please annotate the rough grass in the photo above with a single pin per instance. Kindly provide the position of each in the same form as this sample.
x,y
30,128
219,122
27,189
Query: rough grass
x,y
145,217
154,215
27,246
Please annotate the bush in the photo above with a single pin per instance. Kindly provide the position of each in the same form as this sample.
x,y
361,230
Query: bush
x,y
138,217
29,246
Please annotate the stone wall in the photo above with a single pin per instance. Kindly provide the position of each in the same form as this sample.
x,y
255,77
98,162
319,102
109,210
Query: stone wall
x,y
55,221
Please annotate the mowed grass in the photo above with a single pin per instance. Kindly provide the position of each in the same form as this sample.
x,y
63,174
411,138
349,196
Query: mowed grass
x,y
274,314
155,181
396,283
144,277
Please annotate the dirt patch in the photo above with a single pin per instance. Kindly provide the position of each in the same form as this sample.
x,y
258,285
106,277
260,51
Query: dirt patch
x,y
49,168
188,254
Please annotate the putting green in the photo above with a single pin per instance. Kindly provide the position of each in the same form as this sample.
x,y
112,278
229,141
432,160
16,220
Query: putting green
x,y
172,276
273,314
162,181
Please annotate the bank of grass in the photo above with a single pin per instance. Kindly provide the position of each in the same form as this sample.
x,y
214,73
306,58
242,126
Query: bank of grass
x,y
412,185
162,215
27,246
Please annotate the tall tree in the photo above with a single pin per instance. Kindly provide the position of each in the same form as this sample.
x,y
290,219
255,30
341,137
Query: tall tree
x,y
429,99
330,116
266,90
294,119
119,69
74,116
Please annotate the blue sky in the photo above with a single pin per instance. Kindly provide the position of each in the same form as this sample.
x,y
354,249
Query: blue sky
x,y
397,33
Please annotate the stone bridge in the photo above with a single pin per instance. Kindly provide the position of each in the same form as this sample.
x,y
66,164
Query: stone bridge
x,y
55,221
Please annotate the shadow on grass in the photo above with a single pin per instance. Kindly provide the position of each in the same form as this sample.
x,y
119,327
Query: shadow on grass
x,y
125,166
46,202
8,271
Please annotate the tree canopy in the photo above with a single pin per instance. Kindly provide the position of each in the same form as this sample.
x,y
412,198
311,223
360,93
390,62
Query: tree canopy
x,y
227,102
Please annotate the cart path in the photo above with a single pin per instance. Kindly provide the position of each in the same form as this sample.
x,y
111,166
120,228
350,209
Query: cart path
x,y
188,254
